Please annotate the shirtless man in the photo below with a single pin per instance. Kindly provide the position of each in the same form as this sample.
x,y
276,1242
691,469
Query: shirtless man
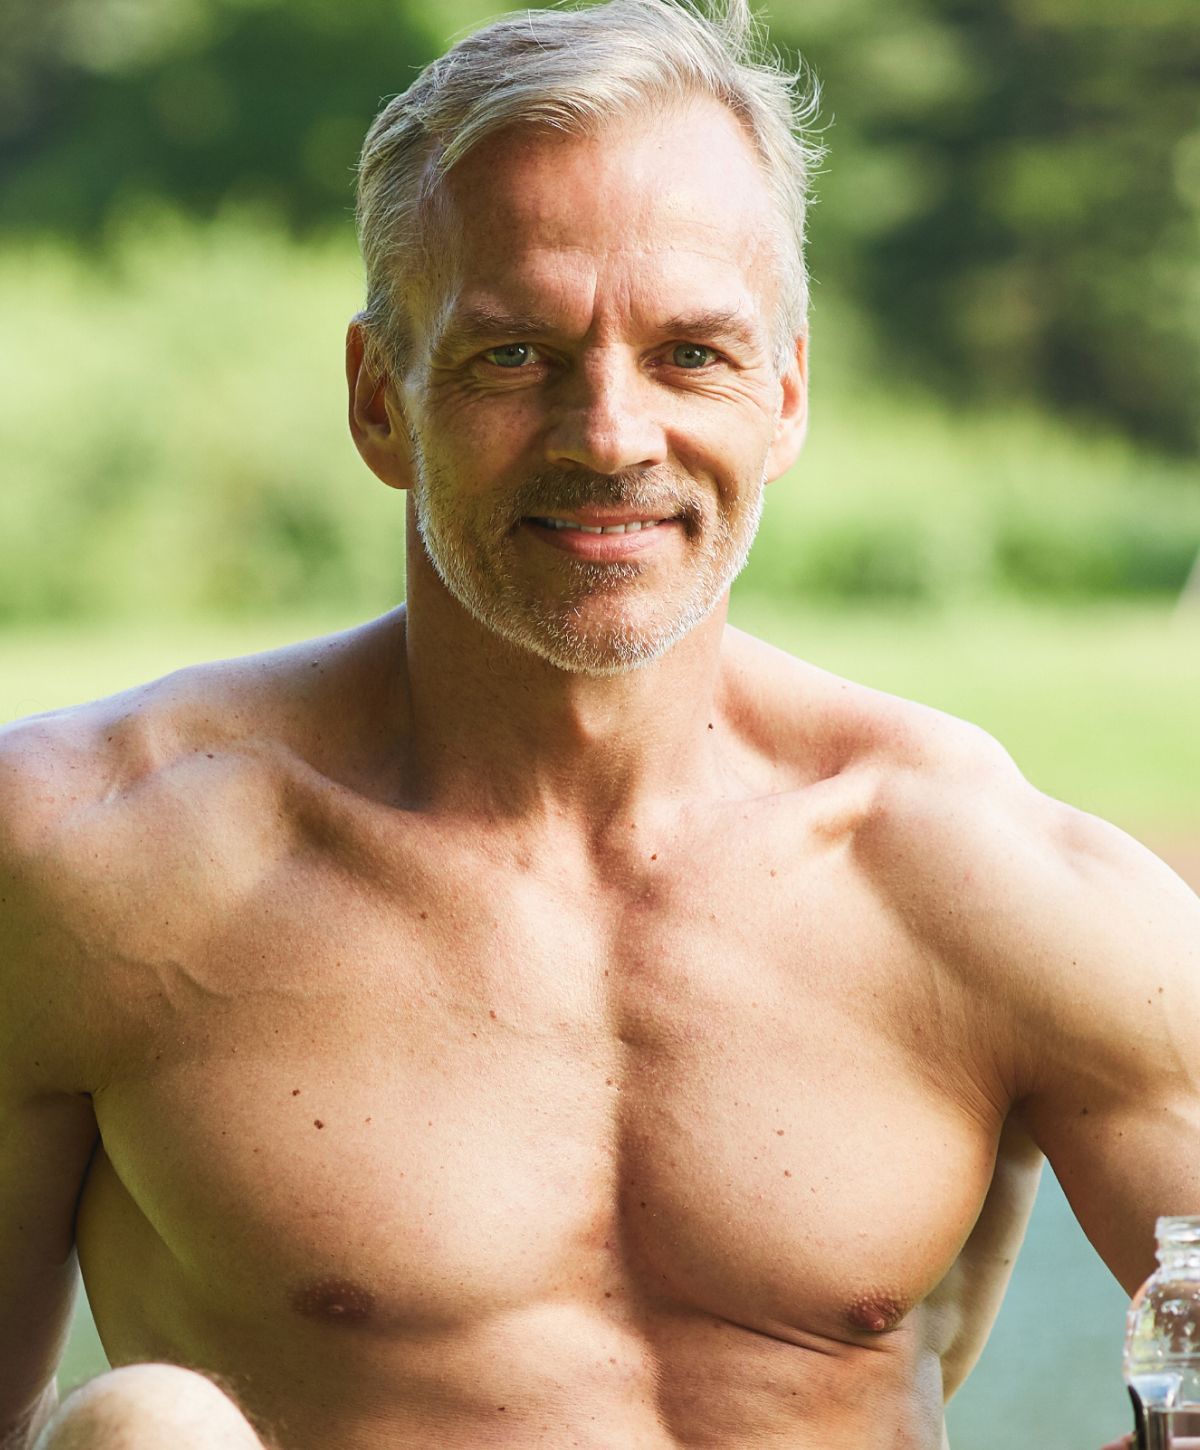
x,y
544,1016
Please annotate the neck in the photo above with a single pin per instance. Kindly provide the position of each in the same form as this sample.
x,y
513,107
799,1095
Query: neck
x,y
496,731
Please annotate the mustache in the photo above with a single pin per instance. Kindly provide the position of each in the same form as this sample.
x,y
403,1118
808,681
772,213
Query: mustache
x,y
658,492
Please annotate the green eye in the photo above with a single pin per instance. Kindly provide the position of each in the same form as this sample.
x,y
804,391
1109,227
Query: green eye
x,y
691,355
511,355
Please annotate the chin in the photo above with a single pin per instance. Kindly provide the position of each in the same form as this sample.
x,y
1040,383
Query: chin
x,y
597,659
600,650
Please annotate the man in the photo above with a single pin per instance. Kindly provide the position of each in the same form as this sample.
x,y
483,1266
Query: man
x,y
544,1017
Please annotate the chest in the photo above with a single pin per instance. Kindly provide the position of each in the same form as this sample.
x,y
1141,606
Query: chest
x,y
419,1106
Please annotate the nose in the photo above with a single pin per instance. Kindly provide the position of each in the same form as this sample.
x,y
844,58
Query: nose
x,y
606,419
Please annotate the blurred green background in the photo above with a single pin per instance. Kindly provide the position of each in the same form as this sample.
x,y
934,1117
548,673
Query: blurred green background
x,y
998,511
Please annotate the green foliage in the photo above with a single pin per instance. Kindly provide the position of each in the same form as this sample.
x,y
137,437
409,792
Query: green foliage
x,y
1013,194
899,497
173,429
173,434
105,104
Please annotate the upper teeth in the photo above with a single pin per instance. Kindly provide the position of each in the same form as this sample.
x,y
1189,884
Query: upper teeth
x,y
630,528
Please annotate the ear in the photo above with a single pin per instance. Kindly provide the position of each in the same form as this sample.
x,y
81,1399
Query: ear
x,y
792,422
377,422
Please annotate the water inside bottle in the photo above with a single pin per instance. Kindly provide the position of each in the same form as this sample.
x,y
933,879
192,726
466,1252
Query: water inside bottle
x,y
1156,1391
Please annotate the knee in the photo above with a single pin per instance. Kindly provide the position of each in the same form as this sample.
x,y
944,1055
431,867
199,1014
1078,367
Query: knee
x,y
145,1407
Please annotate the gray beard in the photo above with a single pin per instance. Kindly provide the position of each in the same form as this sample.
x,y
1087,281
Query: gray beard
x,y
554,634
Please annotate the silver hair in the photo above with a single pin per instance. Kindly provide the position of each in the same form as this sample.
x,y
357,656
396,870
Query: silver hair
x,y
574,70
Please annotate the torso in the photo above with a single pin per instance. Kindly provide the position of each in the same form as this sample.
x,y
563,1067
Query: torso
x,y
424,1134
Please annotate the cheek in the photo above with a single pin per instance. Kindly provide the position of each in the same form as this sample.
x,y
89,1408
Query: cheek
x,y
474,436
732,464
731,430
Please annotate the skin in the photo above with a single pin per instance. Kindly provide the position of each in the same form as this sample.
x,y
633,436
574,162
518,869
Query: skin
x,y
448,1047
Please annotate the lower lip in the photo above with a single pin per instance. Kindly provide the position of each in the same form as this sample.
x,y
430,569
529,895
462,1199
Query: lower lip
x,y
603,548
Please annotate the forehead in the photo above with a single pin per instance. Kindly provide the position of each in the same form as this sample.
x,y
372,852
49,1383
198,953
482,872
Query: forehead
x,y
670,204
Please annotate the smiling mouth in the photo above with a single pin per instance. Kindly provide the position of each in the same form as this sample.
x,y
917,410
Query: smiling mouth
x,y
634,526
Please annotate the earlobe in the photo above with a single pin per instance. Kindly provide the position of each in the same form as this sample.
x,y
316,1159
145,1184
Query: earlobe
x,y
791,424
376,424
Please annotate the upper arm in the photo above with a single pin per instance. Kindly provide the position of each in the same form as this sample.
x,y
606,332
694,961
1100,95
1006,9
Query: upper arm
x,y
1075,956
47,1130
45,1146
1114,1089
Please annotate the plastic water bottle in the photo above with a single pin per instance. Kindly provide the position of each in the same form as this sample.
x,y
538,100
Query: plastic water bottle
x,y
1162,1334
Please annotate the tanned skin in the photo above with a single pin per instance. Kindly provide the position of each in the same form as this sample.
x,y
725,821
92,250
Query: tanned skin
x,y
447,1048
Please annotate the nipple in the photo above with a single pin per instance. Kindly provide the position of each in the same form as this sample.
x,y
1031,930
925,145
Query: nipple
x,y
337,1301
875,1313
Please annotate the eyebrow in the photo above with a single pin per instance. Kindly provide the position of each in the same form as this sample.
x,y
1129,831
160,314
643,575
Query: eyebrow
x,y
478,324
717,323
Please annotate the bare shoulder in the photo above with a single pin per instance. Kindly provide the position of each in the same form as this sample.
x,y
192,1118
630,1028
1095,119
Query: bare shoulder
x,y
73,770
66,767
56,773
1064,928
123,820
1030,894
937,786
821,725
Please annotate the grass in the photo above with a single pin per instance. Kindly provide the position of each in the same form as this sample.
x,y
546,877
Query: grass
x,y
1098,705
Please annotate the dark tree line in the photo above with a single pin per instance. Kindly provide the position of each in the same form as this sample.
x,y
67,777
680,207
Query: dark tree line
x,y
1040,225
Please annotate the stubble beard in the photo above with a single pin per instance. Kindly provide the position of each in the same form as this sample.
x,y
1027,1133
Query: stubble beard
x,y
476,561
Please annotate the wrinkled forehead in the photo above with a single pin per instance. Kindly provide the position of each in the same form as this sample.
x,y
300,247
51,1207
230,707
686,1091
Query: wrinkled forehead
x,y
669,197
694,160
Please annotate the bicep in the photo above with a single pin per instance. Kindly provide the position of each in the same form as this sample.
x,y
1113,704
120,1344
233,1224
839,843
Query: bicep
x,y
1122,1167
1116,1101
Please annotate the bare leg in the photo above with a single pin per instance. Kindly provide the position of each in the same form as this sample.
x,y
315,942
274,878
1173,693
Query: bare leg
x,y
149,1407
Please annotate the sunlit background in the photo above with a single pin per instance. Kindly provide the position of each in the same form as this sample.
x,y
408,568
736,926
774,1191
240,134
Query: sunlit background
x,y
998,511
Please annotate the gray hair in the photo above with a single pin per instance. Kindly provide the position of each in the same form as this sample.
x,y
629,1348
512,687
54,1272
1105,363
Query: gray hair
x,y
573,70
